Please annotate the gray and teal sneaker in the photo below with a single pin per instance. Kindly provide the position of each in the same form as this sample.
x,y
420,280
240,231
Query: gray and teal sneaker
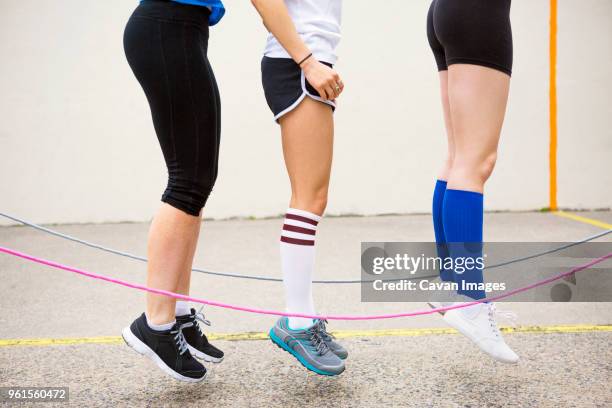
x,y
330,340
308,346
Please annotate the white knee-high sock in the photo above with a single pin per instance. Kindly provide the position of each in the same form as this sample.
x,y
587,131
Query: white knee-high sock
x,y
297,248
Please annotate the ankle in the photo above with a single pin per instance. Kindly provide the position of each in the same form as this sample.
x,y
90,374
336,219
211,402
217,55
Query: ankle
x,y
159,325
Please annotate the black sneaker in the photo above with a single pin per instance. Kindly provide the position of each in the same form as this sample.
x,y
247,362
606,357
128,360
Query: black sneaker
x,y
197,342
167,349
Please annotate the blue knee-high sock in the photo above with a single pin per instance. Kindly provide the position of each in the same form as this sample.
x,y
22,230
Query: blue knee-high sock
x,y
462,215
436,211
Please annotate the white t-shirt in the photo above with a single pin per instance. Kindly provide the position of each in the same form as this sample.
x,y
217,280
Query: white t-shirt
x,y
318,23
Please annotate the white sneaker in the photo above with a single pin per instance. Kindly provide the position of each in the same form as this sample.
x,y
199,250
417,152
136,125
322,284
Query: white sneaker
x,y
478,324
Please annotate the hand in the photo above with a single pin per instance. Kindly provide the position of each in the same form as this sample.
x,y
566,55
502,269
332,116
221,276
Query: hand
x,y
324,79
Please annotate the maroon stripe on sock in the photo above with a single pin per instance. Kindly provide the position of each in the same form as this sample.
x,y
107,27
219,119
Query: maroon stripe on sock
x,y
293,228
296,241
300,218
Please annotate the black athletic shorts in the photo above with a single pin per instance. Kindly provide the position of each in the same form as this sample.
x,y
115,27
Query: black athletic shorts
x,y
285,86
474,32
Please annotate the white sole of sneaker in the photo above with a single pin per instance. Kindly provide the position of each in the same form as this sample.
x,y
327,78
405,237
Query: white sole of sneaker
x,y
456,322
202,356
141,348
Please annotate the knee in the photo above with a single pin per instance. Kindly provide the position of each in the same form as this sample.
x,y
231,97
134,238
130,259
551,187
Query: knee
x,y
446,167
448,161
487,166
189,197
314,201
475,169
319,203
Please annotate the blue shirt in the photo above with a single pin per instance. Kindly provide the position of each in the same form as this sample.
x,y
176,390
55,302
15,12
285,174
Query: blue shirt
x,y
217,10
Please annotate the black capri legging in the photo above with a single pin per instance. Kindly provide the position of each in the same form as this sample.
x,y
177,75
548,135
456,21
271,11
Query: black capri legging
x,y
166,46
476,32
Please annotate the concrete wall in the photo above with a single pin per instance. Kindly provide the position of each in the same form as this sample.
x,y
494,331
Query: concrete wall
x,y
77,144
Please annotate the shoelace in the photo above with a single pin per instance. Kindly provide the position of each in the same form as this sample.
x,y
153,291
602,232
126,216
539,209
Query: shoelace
x,y
316,339
493,312
179,338
199,316
323,331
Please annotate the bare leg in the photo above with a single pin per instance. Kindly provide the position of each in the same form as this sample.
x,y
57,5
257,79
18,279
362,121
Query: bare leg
x,y
172,240
185,279
308,136
478,98
448,124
